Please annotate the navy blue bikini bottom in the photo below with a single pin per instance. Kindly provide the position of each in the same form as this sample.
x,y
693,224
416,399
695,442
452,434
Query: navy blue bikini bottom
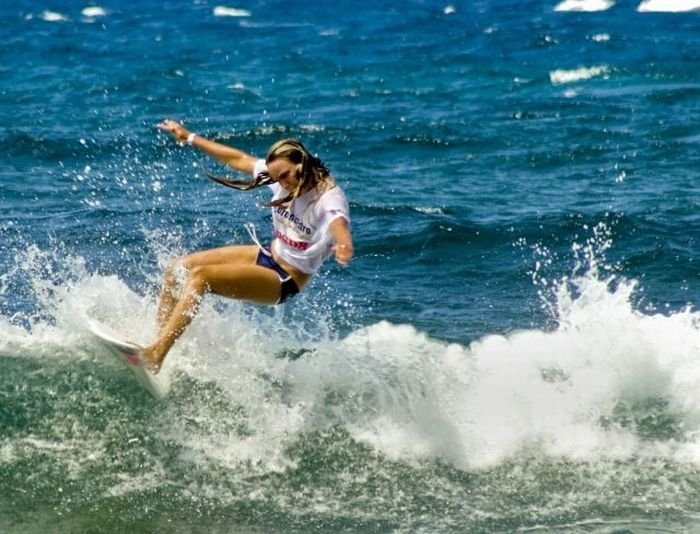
x,y
288,287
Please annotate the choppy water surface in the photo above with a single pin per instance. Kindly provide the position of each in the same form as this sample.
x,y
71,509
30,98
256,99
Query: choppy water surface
x,y
515,345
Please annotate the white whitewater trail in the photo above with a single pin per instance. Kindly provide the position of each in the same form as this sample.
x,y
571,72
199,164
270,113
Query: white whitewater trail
x,y
584,5
668,6
397,389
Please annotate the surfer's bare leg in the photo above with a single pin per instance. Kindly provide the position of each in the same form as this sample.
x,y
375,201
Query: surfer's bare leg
x,y
172,280
238,281
168,294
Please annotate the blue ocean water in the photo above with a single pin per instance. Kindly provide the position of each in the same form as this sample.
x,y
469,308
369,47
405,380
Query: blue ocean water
x,y
515,346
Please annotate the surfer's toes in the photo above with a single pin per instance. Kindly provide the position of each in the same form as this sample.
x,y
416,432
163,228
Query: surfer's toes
x,y
151,365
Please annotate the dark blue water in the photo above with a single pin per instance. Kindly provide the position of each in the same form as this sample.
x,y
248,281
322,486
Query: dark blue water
x,y
515,345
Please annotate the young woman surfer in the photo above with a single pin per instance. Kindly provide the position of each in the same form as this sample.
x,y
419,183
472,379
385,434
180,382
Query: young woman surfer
x,y
310,219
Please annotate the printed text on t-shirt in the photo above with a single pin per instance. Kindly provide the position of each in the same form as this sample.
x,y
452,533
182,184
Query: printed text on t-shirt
x,y
300,226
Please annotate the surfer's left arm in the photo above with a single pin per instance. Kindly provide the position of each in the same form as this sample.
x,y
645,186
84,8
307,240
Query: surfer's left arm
x,y
342,236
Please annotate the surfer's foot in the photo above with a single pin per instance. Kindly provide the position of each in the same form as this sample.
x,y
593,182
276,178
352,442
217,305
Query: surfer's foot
x,y
151,364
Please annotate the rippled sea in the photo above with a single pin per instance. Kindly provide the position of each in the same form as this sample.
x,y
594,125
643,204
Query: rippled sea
x,y
515,347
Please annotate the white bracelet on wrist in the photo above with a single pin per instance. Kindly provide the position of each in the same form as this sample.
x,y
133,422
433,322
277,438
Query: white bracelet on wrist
x,y
190,138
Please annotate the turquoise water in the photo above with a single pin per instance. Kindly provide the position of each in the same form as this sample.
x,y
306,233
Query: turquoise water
x,y
515,346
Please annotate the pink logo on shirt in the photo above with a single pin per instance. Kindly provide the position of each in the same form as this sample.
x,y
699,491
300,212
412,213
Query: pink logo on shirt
x,y
299,245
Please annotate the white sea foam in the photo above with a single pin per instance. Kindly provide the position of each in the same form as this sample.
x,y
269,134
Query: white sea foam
x,y
550,390
428,210
411,396
669,6
556,391
562,76
584,5
53,16
330,32
94,11
223,11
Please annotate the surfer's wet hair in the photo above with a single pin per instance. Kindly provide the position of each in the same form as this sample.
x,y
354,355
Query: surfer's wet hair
x,y
311,171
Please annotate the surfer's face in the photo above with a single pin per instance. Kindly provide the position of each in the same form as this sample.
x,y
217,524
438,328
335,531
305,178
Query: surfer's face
x,y
284,172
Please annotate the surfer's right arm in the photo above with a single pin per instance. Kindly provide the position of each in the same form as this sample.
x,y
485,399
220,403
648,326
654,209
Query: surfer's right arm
x,y
227,155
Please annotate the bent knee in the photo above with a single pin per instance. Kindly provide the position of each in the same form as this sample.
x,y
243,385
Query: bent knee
x,y
185,262
178,266
198,280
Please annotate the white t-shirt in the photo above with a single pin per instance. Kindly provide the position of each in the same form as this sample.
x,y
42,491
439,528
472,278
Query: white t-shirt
x,y
302,238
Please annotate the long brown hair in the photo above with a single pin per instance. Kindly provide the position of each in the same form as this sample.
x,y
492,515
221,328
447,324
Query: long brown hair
x,y
311,171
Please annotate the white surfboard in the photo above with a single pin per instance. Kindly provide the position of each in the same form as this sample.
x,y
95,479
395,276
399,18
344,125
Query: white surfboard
x,y
128,353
